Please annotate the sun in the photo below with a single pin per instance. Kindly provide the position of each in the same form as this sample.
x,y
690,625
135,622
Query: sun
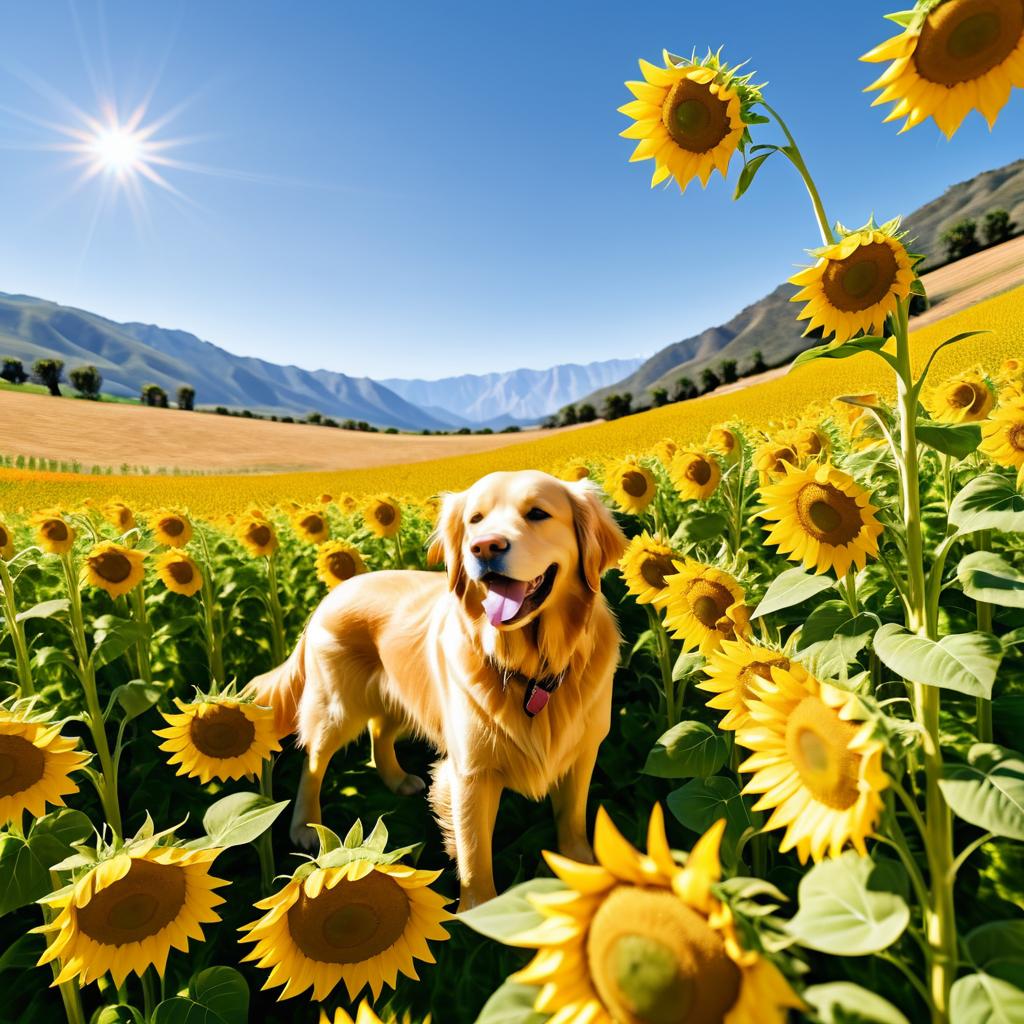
x,y
118,150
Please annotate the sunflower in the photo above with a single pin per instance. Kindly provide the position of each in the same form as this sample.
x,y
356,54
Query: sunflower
x,y
118,514
819,771
1011,373
383,516
731,672
6,542
53,532
36,763
630,485
364,1015
126,913
952,57
771,459
695,474
1003,435
353,915
965,398
171,529
687,116
638,938
337,561
726,441
257,533
809,442
664,449
114,568
219,737
856,283
851,413
179,573
576,471
311,525
646,566
704,606
822,518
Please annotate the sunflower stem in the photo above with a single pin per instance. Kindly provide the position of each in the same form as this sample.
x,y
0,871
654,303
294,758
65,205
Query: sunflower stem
x,y
70,993
148,995
264,847
17,631
138,613
214,650
668,686
399,554
276,616
983,616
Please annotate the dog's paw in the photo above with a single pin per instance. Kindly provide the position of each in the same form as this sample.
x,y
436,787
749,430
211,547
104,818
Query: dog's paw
x,y
304,837
410,786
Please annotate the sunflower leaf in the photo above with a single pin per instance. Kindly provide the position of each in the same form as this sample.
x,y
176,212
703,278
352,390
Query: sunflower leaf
x,y
988,791
988,502
44,610
985,576
687,750
355,835
512,1004
238,819
511,913
751,167
701,802
793,586
378,839
853,347
329,841
996,940
843,1002
956,439
989,997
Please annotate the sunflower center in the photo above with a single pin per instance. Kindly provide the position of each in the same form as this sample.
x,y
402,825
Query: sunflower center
x,y
655,568
22,764
55,530
111,566
827,514
341,564
811,441
695,117
818,744
4,537
699,472
759,670
964,39
862,279
709,602
779,458
1015,437
135,907
352,922
962,396
223,732
675,970
173,527
312,524
259,535
384,514
181,572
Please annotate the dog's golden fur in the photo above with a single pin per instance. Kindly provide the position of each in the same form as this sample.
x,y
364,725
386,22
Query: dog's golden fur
x,y
414,652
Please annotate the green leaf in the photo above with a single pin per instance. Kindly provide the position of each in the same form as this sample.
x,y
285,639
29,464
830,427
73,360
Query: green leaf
x,y
223,991
851,906
239,818
997,940
512,1004
695,529
114,636
688,749
328,840
964,662
853,347
510,913
44,610
750,169
118,1014
23,953
956,439
843,1002
988,791
832,637
701,802
378,839
985,576
988,502
134,698
686,664
790,587
354,838
985,998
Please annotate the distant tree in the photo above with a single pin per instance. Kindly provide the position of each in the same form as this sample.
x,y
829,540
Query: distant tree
x,y
757,363
154,395
616,406
348,424
49,373
569,416
961,239
709,380
221,410
684,389
13,372
998,227
727,370
328,422
463,430
363,426
586,413
287,419
485,430
247,414
86,380
314,417
510,429
186,397
659,396
549,423
391,430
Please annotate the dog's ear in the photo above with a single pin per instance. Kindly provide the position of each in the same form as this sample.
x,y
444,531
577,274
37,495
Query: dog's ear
x,y
446,540
598,537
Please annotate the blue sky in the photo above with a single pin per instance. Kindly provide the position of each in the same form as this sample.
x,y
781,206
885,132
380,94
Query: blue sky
x,y
424,189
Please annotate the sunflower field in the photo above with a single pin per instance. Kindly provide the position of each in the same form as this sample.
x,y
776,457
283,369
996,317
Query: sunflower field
x,y
811,802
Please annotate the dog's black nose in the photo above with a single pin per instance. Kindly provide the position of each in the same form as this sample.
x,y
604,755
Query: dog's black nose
x,y
489,546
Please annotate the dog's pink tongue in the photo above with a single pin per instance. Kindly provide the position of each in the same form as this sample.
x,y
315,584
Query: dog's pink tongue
x,y
504,598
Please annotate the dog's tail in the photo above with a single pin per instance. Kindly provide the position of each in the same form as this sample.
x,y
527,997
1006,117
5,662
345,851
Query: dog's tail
x,y
281,689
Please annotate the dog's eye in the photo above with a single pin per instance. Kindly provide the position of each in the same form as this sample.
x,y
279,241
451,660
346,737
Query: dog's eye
x,y
476,517
537,514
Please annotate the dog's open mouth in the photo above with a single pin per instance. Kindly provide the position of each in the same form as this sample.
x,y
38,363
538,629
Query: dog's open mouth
x,y
508,600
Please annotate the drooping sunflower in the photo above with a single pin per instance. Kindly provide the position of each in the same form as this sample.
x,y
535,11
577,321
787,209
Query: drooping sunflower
x,y
726,441
36,763
257,534
6,542
53,532
646,565
114,568
695,474
822,518
127,912
687,117
638,938
816,767
630,485
809,442
219,737
179,573
856,283
772,457
118,514
704,606
953,56
575,471
311,525
354,915
337,561
172,529
664,449
965,398
731,673
1003,435
383,516
849,414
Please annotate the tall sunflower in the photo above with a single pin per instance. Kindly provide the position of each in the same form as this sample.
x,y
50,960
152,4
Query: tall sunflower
x,y
6,542
965,398
817,769
172,529
36,763
695,474
114,568
731,673
704,606
337,561
664,450
1003,435
311,525
118,514
383,516
354,915
127,912
953,56
809,441
219,736
630,485
179,573
688,117
821,517
856,282
637,938
53,532
727,441
257,534
772,458
646,566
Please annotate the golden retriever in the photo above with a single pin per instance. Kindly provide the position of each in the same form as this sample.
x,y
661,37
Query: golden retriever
x,y
504,664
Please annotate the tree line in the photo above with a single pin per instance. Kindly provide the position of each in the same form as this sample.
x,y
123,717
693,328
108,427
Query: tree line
x,y
962,239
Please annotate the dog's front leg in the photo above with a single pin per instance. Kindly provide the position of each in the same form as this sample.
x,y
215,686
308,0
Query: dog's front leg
x,y
569,800
475,800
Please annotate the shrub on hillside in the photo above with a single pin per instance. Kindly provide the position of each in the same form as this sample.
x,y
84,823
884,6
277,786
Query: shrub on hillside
x,y
86,380
13,371
49,373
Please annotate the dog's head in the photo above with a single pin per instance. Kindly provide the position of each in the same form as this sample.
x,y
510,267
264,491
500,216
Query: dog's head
x,y
520,542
